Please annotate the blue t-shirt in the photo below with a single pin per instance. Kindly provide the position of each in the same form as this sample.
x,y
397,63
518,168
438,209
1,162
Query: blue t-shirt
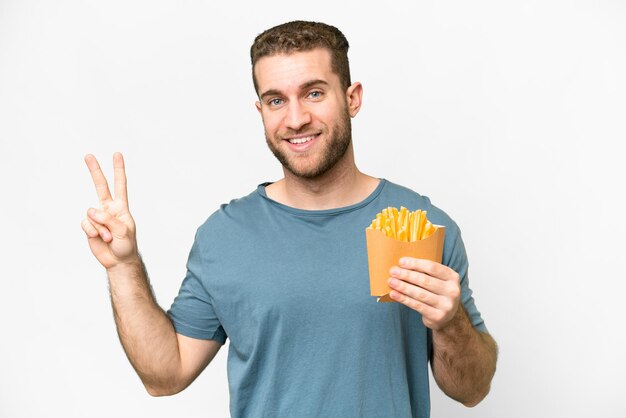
x,y
290,289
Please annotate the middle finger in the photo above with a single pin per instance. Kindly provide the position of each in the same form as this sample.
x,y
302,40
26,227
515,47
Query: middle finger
x,y
423,280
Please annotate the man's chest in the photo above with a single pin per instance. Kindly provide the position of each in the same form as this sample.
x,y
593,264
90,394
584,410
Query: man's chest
x,y
292,284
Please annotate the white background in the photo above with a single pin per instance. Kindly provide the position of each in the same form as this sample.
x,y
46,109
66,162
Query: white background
x,y
508,115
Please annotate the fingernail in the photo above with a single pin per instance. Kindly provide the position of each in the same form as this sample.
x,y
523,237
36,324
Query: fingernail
x,y
91,212
392,281
395,271
404,261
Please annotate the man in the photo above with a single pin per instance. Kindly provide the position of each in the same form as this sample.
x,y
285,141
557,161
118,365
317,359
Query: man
x,y
283,271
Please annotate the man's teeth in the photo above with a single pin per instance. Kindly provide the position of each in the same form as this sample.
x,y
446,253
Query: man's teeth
x,y
301,140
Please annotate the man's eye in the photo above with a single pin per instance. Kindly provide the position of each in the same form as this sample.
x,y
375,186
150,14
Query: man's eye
x,y
315,94
275,102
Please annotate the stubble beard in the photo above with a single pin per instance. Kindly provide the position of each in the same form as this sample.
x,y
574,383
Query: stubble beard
x,y
332,151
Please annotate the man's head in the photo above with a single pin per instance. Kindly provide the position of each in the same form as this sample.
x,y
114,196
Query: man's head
x,y
305,97
301,36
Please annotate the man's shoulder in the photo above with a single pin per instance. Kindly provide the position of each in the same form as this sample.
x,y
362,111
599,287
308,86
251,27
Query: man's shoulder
x,y
233,213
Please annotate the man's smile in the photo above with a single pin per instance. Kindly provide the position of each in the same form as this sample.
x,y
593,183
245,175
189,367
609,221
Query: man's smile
x,y
298,139
302,142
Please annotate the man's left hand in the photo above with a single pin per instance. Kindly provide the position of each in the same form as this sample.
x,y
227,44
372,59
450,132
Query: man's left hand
x,y
430,288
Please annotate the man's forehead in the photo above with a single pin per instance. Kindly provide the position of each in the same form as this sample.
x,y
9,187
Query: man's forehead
x,y
286,71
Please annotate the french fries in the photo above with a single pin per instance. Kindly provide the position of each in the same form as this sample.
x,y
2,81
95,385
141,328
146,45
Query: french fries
x,y
403,225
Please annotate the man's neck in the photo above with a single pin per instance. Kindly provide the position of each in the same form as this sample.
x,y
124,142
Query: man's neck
x,y
341,186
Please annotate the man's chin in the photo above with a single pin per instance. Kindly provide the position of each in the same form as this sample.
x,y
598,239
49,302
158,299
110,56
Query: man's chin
x,y
307,173
310,171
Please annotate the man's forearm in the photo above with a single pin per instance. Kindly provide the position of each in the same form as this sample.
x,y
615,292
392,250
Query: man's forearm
x,y
464,360
145,331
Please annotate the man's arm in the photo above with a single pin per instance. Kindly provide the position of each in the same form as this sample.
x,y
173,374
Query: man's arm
x,y
165,361
464,359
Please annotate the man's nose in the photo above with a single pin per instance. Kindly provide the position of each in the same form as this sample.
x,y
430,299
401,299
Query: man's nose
x,y
297,116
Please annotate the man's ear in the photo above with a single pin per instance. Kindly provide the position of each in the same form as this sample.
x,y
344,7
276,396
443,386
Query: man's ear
x,y
354,98
258,106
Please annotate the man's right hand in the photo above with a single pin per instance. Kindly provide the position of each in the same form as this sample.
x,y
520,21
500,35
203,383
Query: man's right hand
x,y
111,229
165,361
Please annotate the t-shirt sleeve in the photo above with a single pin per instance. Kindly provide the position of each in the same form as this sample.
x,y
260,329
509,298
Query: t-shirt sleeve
x,y
457,260
192,311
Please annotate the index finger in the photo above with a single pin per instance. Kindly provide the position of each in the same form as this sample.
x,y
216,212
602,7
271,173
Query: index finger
x,y
429,267
102,187
119,173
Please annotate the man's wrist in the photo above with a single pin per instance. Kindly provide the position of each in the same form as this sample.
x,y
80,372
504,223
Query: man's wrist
x,y
457,329
128,268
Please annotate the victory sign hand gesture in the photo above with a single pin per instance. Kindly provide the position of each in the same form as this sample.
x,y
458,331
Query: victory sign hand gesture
x,y
110,229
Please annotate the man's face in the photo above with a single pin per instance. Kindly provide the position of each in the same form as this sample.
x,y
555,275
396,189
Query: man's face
x,y
304,111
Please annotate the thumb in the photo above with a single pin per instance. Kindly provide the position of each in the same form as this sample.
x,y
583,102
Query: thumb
x,y
118,229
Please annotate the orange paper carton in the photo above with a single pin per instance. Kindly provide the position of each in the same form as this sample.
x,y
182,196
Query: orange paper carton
x,y
394,235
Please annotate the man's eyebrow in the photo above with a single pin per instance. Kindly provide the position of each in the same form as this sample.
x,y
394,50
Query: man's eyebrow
x,y
312,83
303,86
271,92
